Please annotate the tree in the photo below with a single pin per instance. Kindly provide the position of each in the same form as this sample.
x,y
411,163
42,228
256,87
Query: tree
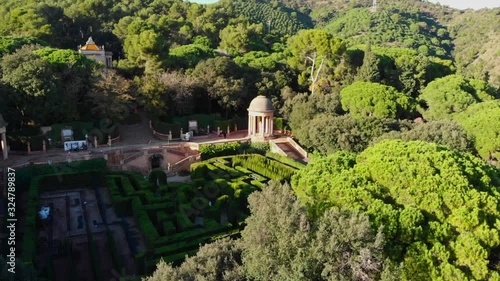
x,y
221,78
446,96
327,133
437,207
311,50
218,261
369,71
34,88
238,38
482,123
339,245
278,234
373,99
110,96
448,133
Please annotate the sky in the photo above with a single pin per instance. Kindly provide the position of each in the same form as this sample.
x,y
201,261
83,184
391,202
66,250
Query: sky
x,y
465,4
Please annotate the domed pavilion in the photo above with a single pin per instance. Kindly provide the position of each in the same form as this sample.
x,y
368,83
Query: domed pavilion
x,y
260,118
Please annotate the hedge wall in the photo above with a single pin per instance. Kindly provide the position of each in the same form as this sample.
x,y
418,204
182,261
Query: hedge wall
x,y
264,166
232,148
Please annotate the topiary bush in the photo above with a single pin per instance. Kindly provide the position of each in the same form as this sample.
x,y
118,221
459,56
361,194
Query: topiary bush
x,y
157,177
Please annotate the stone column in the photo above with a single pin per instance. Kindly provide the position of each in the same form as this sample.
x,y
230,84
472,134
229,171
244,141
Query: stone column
x,y
169,135
249,125
4,147
262,125
272,125
29,148
266,124
109,140
44,146
95,142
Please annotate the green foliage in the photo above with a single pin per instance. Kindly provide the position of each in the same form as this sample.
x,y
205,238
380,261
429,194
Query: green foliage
x,y
157,176
8,44
482,123
393,27
362,99
451,94
448,133
342,132
188,56
278,20
427,198
232,148
220,260
264,166
338,246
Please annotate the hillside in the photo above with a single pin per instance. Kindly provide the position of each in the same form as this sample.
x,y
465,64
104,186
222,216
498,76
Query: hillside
x,y
392,27
277,18
477,43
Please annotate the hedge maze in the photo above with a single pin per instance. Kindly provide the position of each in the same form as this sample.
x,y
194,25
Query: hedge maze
x,y
176,218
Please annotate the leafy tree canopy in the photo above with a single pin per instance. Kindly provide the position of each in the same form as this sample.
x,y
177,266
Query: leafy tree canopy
x,y
482,123
446,132
452,94
438,208
373,99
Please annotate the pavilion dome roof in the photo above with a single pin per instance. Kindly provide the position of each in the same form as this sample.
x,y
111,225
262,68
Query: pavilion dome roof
x,y
261,104
90,46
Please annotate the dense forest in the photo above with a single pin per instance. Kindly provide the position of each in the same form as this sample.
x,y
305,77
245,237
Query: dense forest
x,y
399,107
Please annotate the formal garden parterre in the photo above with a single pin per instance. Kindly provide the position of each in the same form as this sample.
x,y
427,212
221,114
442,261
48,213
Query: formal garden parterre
x,y
152,219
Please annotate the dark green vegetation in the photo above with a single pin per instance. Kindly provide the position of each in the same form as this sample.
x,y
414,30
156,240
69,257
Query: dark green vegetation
x,y
438,208
175,218
280,242
350,83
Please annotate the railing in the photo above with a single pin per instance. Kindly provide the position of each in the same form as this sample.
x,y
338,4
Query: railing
x,y
133,157
275,148
297,147
180,164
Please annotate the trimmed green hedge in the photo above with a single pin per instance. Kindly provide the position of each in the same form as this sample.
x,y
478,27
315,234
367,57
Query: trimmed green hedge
x,y
285,160
145,224
232,148
157,176
264,166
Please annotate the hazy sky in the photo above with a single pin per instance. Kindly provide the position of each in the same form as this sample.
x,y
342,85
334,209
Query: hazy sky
x,y
464,4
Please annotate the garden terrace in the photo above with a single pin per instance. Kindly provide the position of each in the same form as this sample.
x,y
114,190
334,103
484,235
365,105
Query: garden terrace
x,y
136,220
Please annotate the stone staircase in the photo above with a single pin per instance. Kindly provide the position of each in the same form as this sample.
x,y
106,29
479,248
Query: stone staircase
x,y
288,147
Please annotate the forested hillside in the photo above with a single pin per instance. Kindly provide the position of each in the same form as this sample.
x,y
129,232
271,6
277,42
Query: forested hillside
x,y
398,108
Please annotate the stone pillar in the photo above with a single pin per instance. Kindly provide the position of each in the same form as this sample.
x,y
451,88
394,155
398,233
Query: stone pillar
x,y
266,125
218,131
109,140
262,125
228,130
44,146
169,135
4,147
96,145
29,148
272,125
249,125
208,129
235,127
181,133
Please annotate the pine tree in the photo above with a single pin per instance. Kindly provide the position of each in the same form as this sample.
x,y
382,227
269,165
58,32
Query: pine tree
x,y
369,71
